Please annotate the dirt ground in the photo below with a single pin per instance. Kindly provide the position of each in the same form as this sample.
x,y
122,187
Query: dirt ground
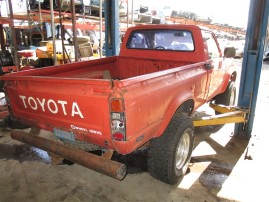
x,y
223,168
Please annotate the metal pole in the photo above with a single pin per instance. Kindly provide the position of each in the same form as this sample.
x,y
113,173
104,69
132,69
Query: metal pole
x,y
252,62
53,32
29,23
74,30
112,28
127,13
40,20
2,38
62,31
100,28
14,39
132,12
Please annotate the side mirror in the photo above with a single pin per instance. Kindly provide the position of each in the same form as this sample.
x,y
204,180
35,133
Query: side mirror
x,y
229,52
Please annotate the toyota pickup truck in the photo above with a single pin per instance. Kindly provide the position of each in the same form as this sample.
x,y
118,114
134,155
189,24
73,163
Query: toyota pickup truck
x,y
142,98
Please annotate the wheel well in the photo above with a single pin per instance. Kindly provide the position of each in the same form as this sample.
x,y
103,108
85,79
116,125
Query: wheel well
x,y
185,107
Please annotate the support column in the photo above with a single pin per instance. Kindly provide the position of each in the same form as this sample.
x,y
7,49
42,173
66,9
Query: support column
x,y
252,62
112,41
53,32
14,38
74,29
2,38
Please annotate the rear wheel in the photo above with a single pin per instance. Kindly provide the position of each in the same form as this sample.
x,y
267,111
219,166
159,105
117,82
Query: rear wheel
x,y
169,154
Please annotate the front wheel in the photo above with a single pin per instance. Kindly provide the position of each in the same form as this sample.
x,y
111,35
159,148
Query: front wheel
x,y
169,154
228,97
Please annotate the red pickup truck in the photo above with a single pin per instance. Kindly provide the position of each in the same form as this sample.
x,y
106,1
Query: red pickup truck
x,y
142,98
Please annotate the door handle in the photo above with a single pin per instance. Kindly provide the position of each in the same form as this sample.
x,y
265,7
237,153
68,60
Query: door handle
x,y
209,66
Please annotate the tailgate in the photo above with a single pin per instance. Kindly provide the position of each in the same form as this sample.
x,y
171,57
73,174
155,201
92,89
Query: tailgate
x,y
79,106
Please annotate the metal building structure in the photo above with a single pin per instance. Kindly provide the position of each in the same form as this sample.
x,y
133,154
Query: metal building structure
x,y
52,17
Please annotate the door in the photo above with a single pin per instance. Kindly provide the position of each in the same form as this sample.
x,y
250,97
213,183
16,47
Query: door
x,y
214,64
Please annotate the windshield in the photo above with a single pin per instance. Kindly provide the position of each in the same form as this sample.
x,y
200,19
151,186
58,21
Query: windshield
x,y
177,40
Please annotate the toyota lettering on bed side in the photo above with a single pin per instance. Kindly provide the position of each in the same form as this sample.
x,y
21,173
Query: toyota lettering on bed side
x,y
50,105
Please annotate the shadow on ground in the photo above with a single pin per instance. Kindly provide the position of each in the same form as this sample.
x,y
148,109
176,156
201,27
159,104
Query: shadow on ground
x,y
220,163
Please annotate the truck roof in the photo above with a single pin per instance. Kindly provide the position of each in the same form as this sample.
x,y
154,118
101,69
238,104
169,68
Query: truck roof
x,y
165,26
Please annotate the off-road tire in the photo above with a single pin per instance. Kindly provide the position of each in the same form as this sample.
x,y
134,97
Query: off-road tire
x,y
227,98
163,150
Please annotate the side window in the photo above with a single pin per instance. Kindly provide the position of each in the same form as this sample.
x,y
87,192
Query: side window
x,y
211,45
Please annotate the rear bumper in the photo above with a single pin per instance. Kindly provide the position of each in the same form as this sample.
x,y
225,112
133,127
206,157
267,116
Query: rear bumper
x,y
97,163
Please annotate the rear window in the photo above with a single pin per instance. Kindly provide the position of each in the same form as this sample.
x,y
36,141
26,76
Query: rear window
x,y
175,40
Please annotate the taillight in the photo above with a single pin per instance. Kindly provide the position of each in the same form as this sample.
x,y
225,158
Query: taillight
x,y
118,136
116,105
117,117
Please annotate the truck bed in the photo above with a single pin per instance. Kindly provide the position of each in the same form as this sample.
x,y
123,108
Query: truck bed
x,y
75,97
119,68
